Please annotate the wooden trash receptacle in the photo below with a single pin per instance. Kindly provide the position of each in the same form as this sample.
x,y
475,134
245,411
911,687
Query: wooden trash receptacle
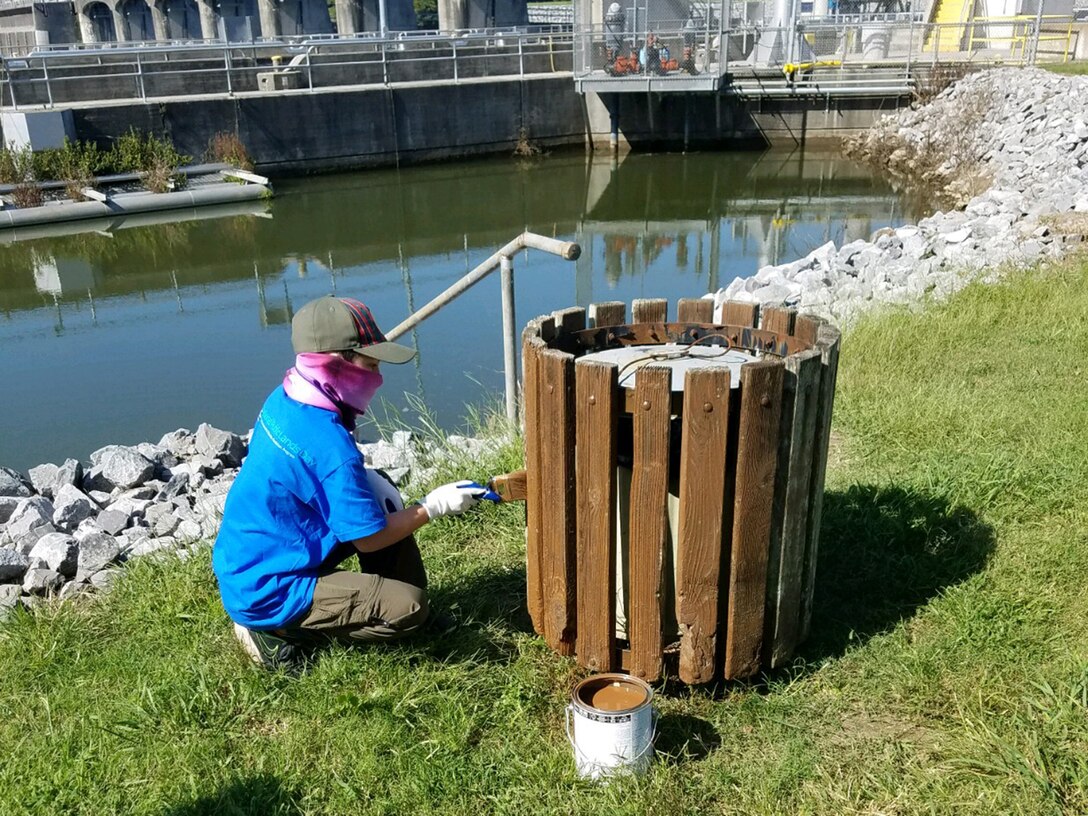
x,y
675,474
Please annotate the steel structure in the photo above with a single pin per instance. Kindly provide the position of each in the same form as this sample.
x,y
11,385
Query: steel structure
x,y
801,47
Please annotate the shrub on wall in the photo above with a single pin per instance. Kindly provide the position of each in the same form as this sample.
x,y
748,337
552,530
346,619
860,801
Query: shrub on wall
x,y
227,148
155,159
77,164
20,169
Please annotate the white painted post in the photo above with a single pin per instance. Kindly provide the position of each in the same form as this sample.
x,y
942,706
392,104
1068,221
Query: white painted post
x,y
140,76
48,86
509,347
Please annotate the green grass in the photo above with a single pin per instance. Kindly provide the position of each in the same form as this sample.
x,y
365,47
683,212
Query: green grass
x,y
1076,68
947,671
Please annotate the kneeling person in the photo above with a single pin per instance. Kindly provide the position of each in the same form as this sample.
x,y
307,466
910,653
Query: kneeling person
x,y
303,502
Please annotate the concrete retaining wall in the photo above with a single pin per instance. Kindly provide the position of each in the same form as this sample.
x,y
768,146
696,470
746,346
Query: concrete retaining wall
x,y
309,132
344,128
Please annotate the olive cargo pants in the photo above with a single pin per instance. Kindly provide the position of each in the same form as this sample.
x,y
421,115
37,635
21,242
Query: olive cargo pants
x,y
385,601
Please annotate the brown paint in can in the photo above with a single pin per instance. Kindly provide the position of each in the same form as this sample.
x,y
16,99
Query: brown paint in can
x,y
610,693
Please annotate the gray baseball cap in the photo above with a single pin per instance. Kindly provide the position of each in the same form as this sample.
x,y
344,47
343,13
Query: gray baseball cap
x,y
343,324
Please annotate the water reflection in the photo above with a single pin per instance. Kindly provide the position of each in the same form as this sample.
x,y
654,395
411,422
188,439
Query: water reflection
x,y
132,328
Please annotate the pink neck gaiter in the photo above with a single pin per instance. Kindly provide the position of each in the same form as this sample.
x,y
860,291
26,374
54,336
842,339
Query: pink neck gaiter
x,y
332,383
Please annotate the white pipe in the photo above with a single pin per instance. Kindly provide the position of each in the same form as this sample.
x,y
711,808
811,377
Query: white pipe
x,y
509,340
564,249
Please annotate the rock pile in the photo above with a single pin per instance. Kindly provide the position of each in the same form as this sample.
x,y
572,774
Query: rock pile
x,y
65,529
1021,135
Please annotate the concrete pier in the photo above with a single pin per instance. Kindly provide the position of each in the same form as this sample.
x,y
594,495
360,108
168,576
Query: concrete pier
x,y
417,122
270,18
209,27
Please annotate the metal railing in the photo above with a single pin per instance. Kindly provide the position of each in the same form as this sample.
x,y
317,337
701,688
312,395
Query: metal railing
x,y
15,4
503,259
836,54
1024,32
155,71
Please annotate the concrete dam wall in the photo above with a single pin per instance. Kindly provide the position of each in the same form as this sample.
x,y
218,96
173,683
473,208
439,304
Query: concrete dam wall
x,y
299,132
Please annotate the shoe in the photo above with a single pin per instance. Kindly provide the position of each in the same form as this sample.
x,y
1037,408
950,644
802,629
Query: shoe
x,y
267,649
440,623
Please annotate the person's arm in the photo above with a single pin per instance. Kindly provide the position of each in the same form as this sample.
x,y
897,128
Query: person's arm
x,y
398,525
447,500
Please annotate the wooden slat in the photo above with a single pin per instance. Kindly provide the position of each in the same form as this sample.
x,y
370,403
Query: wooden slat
x,y
786,559
778,320
736,313
532,346
568,321
630,401
702,498
649,520
827,340
806,327
757,454
649,310
637,334
597,407
556,421
695,310
611,313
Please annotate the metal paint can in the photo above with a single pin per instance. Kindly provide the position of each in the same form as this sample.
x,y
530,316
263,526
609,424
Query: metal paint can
x,y
610,725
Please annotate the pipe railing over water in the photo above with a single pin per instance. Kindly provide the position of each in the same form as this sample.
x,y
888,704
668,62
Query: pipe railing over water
x,y
502,259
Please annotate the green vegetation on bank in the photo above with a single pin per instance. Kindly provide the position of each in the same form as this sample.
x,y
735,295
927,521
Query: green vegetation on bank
x,y
947,670
1077,68
77,164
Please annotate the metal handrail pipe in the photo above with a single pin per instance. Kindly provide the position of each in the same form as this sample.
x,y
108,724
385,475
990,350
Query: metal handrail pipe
x,y
564,249
890,90
143,46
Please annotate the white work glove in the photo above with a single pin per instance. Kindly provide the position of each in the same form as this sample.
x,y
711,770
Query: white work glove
x,y
453,498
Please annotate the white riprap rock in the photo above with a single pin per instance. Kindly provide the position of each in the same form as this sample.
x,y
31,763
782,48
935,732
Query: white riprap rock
x,y
59,551
13,565
12,483
42,581
225,446
96,552
71,507
122,466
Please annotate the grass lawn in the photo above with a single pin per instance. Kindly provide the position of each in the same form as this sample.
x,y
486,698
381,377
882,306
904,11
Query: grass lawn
x,y
1067,67
947,671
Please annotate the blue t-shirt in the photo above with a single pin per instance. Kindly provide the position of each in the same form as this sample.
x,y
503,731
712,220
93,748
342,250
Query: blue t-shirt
x,y
301,491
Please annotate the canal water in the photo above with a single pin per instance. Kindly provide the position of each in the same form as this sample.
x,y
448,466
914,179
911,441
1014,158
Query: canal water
x,y
118,332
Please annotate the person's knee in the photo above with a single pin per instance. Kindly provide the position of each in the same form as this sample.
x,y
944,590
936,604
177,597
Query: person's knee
x,y
416,611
